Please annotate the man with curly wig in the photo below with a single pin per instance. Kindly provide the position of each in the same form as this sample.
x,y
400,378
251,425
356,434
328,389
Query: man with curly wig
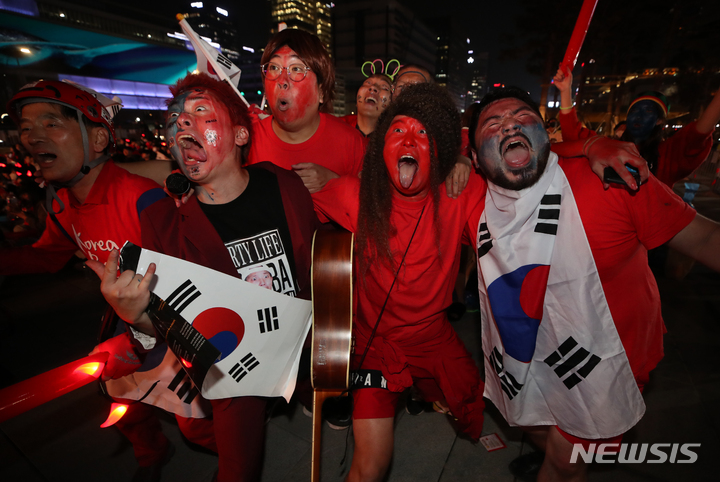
x,y
409,234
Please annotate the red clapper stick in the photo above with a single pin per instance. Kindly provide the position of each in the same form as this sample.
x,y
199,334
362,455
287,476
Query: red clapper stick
x,y
578,35
30,393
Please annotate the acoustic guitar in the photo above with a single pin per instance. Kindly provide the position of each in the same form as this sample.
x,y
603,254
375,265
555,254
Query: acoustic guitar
x,y
332,272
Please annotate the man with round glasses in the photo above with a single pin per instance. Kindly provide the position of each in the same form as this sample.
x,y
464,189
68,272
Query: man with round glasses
x,y
296,72
302,134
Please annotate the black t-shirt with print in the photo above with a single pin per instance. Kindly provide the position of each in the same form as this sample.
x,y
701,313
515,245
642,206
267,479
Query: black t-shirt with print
x,y
255,231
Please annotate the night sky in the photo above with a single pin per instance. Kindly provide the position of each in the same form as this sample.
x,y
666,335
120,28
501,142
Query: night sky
x,y
490,25
480,18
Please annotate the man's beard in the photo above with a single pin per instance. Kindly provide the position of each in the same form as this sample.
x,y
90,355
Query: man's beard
x,y
523,177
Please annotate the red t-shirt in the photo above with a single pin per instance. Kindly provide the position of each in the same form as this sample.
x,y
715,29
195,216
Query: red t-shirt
x,y
335,145
415,311
621,226
109,216
350,119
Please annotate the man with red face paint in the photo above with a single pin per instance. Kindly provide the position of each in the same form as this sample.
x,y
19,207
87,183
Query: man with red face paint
x,y
373,97
571,314
404,208
209,130
302,134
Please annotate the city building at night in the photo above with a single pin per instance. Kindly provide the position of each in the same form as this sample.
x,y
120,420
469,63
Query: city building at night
x,y
366,30
458,67
308,15
114,53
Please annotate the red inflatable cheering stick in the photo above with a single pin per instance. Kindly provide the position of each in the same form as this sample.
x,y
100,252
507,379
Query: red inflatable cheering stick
x,y
23,396
578,35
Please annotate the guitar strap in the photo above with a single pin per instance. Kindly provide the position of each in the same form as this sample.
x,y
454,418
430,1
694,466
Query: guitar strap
x,y
377,323
387,298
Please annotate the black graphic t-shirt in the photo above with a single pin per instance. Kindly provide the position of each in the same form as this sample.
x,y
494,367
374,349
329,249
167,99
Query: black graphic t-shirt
x,y
255,232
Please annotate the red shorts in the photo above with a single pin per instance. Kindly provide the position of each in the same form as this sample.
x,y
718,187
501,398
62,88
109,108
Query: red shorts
x,y
381,403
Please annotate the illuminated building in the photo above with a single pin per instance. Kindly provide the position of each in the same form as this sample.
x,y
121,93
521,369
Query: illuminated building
x,y
379,29
308,15
112,53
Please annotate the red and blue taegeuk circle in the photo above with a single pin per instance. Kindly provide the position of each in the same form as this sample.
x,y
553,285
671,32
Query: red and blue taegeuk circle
x,y
222,327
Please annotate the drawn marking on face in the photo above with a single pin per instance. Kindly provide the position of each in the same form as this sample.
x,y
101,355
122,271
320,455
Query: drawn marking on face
x,y
211,137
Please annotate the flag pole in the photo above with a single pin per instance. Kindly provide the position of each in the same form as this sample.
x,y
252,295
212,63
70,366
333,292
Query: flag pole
x,y
196,41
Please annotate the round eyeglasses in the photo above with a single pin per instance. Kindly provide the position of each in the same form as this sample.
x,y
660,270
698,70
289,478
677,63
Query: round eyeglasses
x,y
295,72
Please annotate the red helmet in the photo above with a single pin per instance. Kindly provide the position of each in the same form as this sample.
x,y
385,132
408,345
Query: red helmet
x,y
88,102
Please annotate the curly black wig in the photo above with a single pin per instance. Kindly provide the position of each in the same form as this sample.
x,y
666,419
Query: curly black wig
x,y
434,108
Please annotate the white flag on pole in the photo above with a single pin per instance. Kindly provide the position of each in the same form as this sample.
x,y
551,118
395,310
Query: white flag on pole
x,y
210,61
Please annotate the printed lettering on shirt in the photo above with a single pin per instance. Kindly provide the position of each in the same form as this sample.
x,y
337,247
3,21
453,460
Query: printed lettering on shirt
x,y
87,247
262,260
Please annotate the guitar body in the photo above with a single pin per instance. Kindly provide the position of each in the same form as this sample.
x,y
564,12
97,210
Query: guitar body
x,y
332,273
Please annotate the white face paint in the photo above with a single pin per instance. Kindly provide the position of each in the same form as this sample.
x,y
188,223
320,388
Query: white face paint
x,y
211,137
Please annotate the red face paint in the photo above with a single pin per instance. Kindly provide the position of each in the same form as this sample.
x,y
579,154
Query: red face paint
x,y
407,158
294,105
202,133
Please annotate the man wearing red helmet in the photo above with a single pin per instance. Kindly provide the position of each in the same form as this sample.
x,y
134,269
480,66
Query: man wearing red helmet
x,y
95,206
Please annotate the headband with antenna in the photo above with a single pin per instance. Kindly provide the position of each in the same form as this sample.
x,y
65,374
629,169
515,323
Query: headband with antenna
x,y
384,69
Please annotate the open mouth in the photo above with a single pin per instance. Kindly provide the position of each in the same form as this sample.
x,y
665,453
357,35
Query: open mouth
x,y
192,150
407,167
371,100
46,157
283,105
516,154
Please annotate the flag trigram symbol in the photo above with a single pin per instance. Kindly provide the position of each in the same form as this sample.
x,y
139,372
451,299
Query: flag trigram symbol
x,y
243,367
571,362
114,109
549,214
224,61
185,294
187,391
484,240
268,319
509,384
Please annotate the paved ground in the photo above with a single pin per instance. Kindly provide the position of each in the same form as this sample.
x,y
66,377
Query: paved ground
x,y
49,320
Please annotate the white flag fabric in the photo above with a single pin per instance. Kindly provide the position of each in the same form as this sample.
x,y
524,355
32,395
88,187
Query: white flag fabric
x,y
552,353
260,333
112,106
210,61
